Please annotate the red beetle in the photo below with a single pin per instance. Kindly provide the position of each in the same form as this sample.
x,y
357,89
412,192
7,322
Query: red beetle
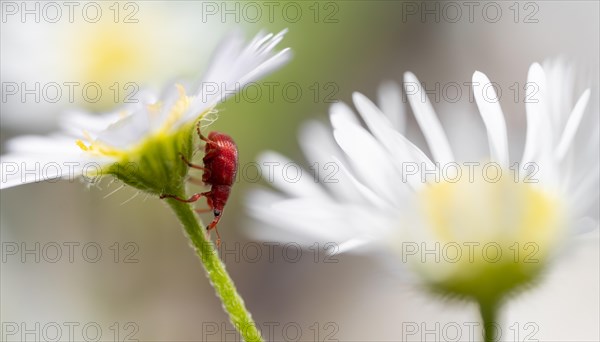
x,y
220,169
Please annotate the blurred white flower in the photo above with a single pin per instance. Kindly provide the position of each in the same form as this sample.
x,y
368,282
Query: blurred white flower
x,y
388,192
62,56
146,134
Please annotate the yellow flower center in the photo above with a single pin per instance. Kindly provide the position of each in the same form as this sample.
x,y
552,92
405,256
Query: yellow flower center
x,y
487,210
110,50
483,235
114,59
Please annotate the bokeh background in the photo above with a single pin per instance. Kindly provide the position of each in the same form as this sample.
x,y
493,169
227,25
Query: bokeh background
x,y
148,285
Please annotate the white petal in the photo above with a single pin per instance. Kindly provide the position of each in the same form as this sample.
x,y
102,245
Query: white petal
x,y
427,119
584,225
537,117
233,66
340,112
260,39
77,122
32,158
288,176
18,169
311,219
372,198
378,124
317,217
350,245
402,150
538,143
174,101
370,161
390,102
491,113
229,48
36,144
572,125
560,79
585,193
306,220
269,65
268,225
128,131
319,147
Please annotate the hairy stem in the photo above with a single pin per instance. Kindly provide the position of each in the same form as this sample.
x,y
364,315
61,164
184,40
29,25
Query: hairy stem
x,y
215,270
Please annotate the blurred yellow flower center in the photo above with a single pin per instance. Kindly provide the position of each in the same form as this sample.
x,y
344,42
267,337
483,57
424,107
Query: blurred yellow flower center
x,y
113,53
116,58
499,210
484,234
111,50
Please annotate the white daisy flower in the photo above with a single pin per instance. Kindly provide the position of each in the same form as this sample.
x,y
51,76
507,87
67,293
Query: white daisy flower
x,y
389,192
141,143
106,47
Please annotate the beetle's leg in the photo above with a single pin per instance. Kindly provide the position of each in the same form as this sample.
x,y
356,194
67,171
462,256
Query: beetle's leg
x,y
213,225
218,237
202,137
206,210
194,197
196,181
188,163
218,242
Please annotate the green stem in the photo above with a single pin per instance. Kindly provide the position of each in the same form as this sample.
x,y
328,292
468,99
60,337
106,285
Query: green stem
x,y
220,280
489,315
